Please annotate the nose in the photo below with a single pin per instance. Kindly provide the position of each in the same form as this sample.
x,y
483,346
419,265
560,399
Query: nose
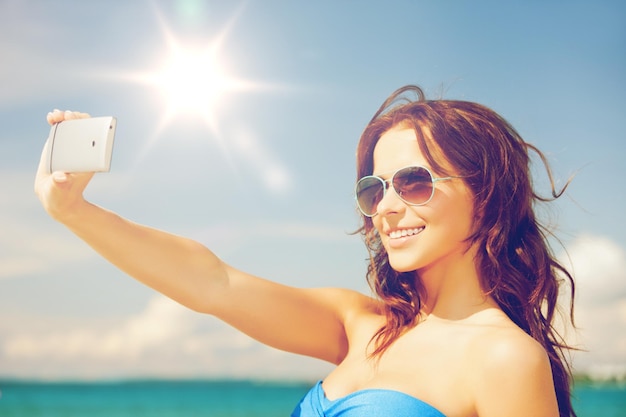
x,y
390,203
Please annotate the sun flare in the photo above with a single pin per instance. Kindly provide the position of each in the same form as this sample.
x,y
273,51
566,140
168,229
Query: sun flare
x,y
192,78
191,82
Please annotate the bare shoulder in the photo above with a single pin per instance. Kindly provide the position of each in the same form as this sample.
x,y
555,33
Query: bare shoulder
x,y
513,349
513,375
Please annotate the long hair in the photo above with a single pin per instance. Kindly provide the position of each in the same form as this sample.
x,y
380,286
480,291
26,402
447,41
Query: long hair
x,y
515,262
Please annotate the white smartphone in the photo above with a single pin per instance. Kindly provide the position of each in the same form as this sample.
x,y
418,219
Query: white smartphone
x,y
81,145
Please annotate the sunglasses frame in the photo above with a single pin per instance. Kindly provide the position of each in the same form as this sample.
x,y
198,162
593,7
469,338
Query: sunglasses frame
x,y
389,184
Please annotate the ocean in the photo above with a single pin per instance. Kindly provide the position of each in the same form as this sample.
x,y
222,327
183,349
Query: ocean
x,y
210,399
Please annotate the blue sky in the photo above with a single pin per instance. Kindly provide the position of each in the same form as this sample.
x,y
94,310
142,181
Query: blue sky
x,y
268,183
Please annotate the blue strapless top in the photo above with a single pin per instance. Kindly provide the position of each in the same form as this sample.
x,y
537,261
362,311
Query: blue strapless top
x,y
363,403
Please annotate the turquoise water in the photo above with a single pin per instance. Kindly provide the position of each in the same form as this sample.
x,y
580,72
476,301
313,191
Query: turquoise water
x,y
600,400
209,398
150,398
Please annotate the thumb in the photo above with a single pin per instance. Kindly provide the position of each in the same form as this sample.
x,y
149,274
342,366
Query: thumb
x,y
59,177
75,182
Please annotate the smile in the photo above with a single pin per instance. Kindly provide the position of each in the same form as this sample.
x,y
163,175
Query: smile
x,y
397,234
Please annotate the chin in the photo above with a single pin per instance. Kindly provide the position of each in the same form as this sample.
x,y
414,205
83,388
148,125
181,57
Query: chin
x,y
402,266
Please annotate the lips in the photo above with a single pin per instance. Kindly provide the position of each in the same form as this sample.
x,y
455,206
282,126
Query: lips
x,y
400,233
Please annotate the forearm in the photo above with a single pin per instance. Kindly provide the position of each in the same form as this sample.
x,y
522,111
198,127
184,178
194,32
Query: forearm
x,y
180,268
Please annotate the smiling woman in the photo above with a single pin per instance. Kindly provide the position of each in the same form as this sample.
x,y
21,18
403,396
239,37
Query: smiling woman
x,y
464,280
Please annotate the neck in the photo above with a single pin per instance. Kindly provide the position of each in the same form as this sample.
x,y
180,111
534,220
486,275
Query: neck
x,y
453,290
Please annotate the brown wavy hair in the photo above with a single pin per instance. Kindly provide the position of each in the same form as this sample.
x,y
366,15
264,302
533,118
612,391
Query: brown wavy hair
x,y
515,262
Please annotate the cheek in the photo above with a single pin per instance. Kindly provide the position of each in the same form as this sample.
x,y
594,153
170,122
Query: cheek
x,y
457,214
377,230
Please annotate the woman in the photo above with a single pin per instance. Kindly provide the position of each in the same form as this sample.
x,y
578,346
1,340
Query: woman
x,y
466,284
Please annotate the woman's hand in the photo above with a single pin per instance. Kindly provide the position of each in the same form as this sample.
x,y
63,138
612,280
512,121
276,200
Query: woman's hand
x,y
60,193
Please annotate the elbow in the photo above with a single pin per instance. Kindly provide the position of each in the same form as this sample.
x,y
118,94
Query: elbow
x,y
206,277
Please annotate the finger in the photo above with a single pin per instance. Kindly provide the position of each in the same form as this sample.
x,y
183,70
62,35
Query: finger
x,y
56,116
70,115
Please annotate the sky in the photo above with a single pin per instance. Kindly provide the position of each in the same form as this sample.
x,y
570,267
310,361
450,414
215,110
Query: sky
x,y
262,170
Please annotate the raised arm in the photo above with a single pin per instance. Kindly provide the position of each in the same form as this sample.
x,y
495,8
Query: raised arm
x,y
305,321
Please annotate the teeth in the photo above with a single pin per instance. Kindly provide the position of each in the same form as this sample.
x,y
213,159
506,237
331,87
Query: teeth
x,y
405,232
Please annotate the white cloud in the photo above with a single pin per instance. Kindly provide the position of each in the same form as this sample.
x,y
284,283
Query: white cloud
x,y
165,339
599,267
162,322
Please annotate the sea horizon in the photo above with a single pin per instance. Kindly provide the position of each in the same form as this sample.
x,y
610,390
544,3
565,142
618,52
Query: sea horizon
x,y
214,397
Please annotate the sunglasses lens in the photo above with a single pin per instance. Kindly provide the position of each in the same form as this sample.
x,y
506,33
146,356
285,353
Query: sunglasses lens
x,y
369,192
413,184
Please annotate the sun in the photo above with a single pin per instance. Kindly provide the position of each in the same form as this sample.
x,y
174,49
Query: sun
x,y
191,82
192,78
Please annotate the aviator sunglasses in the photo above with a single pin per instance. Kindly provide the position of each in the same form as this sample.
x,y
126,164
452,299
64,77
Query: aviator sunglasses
x,y
415,185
